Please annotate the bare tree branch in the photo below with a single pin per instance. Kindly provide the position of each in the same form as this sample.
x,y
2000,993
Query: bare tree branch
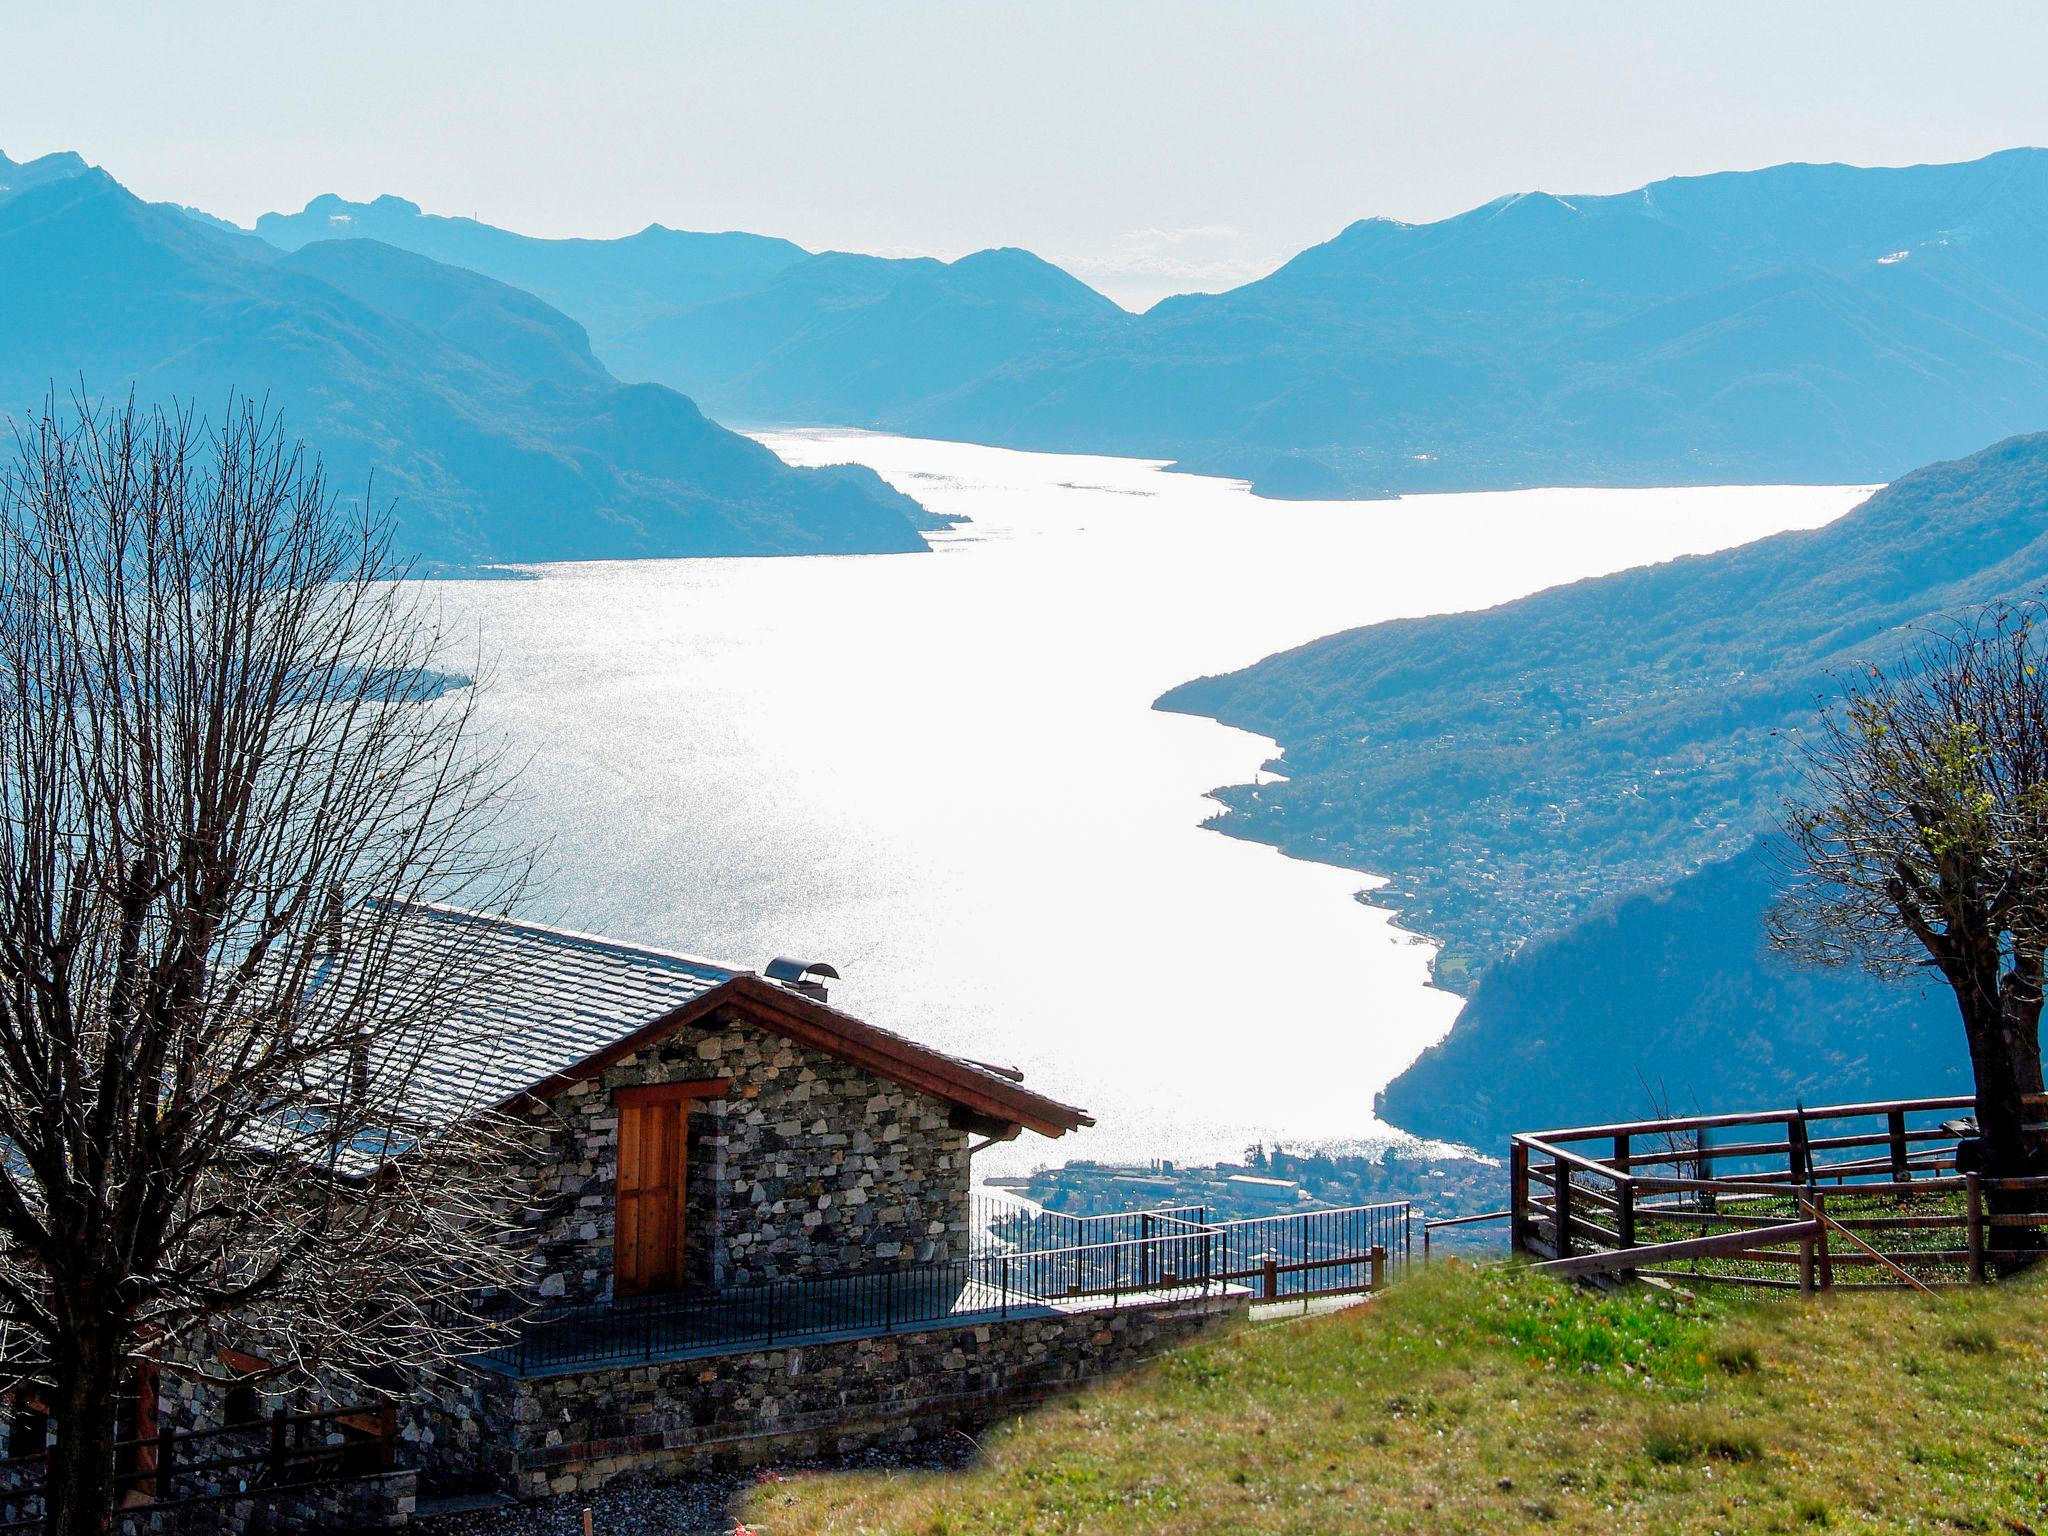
x,y
217,725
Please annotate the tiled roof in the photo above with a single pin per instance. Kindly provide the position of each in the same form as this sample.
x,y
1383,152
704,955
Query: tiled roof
x,y
540,1007
535,1001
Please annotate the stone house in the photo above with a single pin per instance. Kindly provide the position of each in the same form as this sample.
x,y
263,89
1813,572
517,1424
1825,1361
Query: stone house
x,y
751,1219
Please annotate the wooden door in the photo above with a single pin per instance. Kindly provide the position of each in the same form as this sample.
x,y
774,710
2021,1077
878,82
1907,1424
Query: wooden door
x,y
647,1245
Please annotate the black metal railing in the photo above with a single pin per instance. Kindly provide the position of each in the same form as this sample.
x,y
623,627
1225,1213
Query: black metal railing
x,y
1270,1257
283,1454
756,1316
1005,1224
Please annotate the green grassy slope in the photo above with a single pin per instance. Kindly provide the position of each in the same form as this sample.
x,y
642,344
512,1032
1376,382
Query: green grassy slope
x,y
1490,1401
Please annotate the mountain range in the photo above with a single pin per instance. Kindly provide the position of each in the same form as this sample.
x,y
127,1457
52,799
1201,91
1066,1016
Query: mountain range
x,y
1523,772
1800,323
481,411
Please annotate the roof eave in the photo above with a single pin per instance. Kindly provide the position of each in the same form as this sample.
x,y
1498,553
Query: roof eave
x,y
809,1022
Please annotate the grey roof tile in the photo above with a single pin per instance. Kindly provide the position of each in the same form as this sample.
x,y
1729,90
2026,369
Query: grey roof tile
x,y
534,1001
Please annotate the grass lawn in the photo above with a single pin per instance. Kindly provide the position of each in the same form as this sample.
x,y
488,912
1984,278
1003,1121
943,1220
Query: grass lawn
x,y
1487,1400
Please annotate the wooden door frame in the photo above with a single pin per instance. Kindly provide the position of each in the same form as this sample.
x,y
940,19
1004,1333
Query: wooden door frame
x,y
640,1096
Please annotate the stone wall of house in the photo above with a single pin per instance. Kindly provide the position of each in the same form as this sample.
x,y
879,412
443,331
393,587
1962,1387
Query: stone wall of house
x,y
578,1431
807,1167
368,1504
192,1396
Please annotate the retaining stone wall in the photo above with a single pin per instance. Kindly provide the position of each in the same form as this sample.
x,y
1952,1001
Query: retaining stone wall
x,y
574,1433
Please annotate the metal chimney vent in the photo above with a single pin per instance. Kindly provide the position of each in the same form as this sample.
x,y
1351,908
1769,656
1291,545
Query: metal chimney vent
x,y
800,975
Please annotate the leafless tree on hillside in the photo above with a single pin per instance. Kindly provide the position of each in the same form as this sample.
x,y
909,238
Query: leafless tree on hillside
x,y
215,731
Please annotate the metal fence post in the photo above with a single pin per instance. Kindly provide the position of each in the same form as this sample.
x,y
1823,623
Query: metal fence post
x,y
1006,1285
278,1448
1270,1274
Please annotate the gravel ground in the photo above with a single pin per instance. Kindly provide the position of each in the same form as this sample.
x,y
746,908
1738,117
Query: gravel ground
x,y
697,1506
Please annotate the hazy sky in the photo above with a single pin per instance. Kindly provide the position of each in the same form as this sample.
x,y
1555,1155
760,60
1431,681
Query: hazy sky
x,y
1147,146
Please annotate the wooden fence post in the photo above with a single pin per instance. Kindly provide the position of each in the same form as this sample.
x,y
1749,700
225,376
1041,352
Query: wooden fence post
x,y
1975,1196
1625,1217
1270,1275
1562,1171
1378,1258
1800,1154
1826,1265
1806,1266
1518,1200
387,1437
1902,1171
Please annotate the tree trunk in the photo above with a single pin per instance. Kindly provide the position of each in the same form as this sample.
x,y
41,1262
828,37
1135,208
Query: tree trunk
x,y
78,1496
2005,1059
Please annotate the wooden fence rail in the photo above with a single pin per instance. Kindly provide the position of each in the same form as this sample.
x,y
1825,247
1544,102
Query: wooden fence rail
x,y
1620,1260
1633,1196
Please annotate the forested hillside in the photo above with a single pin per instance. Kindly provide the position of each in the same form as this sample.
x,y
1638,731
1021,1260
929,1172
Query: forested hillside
x,y
481,411
1800,323
1519,772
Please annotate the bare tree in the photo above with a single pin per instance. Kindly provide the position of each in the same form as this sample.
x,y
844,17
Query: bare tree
x,y
218,725
1922,839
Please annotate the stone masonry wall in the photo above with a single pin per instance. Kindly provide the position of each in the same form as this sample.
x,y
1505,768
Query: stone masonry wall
x,y
577,1432
807,1167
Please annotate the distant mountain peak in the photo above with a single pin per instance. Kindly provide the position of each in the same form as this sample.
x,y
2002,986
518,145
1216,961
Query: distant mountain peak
x,y
343,212
22,176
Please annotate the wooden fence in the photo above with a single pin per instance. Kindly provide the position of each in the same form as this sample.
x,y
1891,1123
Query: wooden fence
x,y
1773,1198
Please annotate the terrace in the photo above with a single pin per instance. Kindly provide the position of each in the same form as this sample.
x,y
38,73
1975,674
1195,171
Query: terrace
x,y
1025,1262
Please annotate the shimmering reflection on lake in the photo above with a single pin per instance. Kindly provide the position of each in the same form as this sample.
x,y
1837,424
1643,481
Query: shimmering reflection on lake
x,y
943,774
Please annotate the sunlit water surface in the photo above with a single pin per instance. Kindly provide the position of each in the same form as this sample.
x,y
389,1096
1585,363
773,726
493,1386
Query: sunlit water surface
x,y
943,772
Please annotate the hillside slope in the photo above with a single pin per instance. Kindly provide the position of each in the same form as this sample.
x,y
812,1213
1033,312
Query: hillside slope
x,y
1535,776
759,329
614,287
480,411
1668,1001
1514,767
1799,323
1802,323
1473,1402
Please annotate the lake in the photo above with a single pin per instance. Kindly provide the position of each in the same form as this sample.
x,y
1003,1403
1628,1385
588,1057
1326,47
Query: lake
x,y
942,773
